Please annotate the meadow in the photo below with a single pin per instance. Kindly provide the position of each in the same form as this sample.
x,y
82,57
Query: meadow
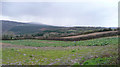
x,y
52,43
48,52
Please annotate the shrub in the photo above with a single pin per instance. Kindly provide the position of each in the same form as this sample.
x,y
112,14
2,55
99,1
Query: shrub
x,y
73,50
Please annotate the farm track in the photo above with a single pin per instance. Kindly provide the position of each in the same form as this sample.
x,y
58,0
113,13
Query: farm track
x,y
91,34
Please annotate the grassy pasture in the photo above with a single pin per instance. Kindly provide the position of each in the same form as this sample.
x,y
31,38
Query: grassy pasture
x,y
46,52
48,43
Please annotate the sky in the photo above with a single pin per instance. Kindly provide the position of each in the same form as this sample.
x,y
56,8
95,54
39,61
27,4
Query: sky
x,y
102,13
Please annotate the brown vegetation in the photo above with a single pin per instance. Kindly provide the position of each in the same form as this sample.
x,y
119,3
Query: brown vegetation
x,y
84,37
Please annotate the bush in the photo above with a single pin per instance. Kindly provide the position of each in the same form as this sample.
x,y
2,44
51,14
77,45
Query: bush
x,y
97,61
73,50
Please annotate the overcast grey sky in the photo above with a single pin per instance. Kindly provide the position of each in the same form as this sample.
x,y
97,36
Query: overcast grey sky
x,y
86,13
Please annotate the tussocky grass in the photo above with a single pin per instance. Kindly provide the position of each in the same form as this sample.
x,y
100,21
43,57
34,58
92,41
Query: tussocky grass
x,y
61,52
63,56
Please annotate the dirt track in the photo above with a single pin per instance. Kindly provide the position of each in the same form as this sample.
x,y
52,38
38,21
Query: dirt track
x,y
91,34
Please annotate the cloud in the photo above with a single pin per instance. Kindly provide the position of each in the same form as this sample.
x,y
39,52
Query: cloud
x,y
83,13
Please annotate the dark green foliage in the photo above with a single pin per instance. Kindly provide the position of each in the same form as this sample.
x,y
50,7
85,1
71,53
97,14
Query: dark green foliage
x,y
12,49
30,56
8,37
97,61
73,50
107,29
76,65
38,34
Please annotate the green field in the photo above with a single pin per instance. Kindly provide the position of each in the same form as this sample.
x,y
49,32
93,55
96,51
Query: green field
x,y
52,43
46,52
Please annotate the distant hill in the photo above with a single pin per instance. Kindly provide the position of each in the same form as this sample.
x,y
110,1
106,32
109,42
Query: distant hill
x,y
7,25
23,28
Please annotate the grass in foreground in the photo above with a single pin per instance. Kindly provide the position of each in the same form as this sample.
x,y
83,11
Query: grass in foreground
x,y
72,55
67,56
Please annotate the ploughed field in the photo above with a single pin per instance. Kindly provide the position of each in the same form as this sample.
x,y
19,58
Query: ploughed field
x,y
49,52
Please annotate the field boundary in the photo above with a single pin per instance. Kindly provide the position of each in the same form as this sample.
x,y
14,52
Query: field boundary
x,y
84,37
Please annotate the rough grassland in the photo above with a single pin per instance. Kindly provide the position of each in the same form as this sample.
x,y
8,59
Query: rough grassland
x,y
94,52
48,43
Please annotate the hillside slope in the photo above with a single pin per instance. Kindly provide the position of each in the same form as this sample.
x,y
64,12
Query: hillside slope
x,y
22,28
7,25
